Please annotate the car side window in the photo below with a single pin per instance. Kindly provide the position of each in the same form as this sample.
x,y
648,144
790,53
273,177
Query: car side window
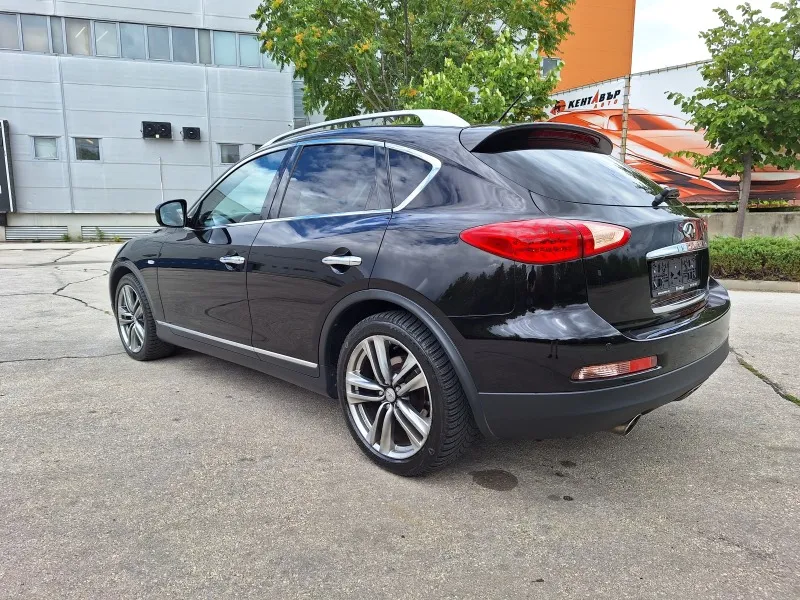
x,y
407,172
240,197
330,179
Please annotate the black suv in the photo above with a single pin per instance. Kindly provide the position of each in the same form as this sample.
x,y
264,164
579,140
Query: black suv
x,y
440,280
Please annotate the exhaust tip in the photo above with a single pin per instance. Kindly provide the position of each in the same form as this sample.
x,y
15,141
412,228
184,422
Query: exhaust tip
x,y
625,428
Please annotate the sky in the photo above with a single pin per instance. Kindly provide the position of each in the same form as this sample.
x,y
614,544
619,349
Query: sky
x,y
666,32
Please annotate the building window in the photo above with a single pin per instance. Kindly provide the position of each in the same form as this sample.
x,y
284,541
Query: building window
x,y
132,38
184,48
9,32
548,64
204,45
228,153
249,55
57,34
34,33
87,148
105,39
158,43
78,36
224,48
45,148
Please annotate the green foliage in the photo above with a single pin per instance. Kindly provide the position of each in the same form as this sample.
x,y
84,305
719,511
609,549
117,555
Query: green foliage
x,y
486,83
66,237
116,239
770,258
99,234
367,55
750,103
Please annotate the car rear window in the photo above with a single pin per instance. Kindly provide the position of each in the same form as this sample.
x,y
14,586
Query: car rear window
x,y
574,176
407,173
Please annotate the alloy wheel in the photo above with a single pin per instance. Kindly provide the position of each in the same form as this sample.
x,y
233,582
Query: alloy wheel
x,y
388,397
130,318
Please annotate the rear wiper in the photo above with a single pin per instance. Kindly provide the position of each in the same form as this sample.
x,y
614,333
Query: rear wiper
x,y
666,194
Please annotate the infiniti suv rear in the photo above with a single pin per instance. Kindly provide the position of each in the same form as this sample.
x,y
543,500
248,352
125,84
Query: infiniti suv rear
x,y
439,281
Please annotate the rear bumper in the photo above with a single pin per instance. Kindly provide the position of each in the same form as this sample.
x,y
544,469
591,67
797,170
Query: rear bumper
x,y
569,413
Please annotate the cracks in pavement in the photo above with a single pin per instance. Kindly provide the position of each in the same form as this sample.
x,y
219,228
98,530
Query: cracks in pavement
x,y
71,252
58,292
19,360
775,386
86,304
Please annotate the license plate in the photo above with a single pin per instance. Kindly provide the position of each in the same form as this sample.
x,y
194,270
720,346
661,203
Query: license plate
x,y
673,275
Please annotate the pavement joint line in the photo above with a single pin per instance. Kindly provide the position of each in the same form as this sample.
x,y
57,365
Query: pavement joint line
x,y
18,360
776,387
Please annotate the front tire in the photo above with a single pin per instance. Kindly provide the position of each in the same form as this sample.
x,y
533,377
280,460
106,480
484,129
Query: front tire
x,y
401,398
135,323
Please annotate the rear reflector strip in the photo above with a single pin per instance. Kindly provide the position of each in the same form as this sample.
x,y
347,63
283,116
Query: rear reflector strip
x,y
625,367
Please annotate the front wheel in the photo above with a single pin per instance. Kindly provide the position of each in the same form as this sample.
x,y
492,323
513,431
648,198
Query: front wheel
x,y
135,322
401,398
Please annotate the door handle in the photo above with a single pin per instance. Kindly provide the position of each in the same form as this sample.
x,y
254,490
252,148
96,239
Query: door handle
x,y
231,260
342,261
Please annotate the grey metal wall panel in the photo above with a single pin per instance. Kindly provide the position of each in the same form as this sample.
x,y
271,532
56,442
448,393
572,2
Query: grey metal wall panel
x,y
230,14
119,200
39,7
146,75
184,13
40,174
42,199
25,66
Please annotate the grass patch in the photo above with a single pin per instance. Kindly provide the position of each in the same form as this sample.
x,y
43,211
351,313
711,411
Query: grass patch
x,y
769,258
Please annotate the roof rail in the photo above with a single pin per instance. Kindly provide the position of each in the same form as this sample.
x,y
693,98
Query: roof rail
x,y
429,118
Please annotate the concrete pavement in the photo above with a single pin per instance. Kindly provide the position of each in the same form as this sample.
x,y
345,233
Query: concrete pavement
x,y
191,477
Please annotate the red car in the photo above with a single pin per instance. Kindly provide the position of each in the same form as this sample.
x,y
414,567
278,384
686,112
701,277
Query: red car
x,y
652,136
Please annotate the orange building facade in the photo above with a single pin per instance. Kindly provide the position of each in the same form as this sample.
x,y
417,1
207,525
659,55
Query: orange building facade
x,y
601,44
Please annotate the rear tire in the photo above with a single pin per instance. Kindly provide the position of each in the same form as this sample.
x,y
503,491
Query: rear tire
x,y
135,323
409,413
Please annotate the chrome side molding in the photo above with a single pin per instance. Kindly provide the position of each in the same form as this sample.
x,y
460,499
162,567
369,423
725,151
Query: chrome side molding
x,y
191,332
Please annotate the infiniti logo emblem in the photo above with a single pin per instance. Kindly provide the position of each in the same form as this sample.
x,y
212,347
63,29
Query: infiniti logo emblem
x,y
688,230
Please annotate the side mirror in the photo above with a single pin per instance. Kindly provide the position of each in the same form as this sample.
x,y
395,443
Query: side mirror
x,y
171,213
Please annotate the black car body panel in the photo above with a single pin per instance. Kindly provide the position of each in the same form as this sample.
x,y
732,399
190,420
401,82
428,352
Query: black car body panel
x,y
514,332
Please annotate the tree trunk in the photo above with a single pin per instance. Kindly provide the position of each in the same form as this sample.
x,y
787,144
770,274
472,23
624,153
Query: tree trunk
x,y
744,193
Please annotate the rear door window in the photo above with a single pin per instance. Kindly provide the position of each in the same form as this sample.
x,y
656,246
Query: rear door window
x,y
329,179
574,176
407,172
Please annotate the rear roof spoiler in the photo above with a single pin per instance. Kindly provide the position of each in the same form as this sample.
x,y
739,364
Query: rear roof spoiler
x,y
525,136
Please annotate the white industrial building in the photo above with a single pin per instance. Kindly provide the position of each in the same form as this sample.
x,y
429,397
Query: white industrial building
x,y
79,78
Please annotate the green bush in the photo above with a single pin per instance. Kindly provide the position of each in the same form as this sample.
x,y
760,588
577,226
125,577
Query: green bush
x,y
770,258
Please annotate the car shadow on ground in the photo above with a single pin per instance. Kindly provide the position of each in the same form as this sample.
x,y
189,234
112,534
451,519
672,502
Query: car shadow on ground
x,y
661,440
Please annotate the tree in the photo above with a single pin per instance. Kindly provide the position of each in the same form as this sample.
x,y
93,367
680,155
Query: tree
x,y
750,103
487,83
367,55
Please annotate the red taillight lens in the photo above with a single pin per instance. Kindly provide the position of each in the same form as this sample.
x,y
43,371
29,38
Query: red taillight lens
x,y
625,367
546,241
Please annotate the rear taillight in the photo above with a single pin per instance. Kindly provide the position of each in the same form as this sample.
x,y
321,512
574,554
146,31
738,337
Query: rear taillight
x,y
546,241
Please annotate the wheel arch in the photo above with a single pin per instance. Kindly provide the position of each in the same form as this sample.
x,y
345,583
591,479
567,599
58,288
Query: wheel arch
x,y
359,305
126,267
